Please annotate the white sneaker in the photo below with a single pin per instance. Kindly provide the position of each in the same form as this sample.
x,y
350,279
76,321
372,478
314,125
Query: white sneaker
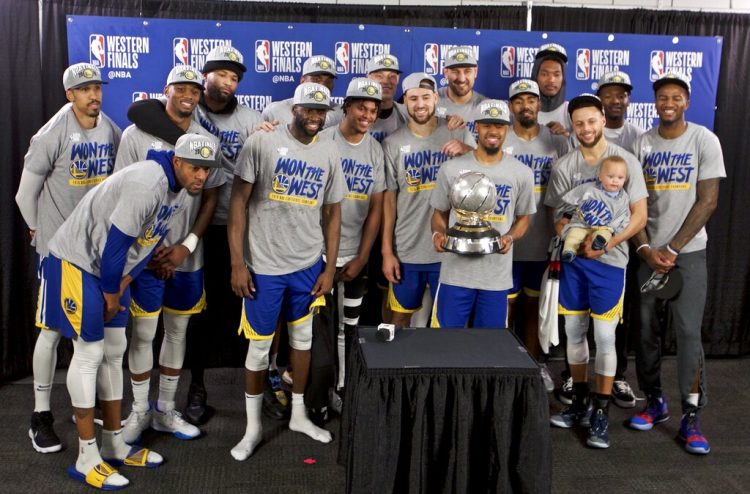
x,y
135,424
549,384
171,421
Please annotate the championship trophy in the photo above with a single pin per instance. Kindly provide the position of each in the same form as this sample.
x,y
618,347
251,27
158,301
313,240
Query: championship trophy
x,y
473,198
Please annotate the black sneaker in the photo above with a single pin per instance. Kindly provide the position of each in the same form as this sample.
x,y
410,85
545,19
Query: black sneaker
x,y
622,394
197,412
599,430
576,413
318,416
42,434
565,392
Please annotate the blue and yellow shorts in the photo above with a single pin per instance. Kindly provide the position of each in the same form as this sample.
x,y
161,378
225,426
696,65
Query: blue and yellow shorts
x,y
406,297
589,286
181,294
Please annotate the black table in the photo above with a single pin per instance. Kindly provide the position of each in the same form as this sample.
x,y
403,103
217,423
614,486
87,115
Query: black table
x,y
444,410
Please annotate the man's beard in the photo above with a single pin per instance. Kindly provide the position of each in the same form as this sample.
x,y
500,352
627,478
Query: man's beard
x,y
215,94
597,138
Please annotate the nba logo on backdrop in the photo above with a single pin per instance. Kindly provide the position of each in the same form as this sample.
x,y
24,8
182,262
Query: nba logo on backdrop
x,y
508,61
342,57
180,48
262,55
431,58
96,50
583,64
656,65
139,96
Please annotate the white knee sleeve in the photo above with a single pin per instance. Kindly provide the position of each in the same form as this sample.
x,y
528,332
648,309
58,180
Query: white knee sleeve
x,y
173,347
45,356
141,353
300,334
81,380
257,354
606,354
109,378
576,327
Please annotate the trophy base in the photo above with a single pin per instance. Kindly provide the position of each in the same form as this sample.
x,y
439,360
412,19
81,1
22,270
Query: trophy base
x,y
468,240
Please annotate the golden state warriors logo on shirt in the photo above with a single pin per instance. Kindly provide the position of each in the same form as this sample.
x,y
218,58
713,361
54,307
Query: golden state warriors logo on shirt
x,y
90,163
158,228
503,201
667,170
296,181
421,168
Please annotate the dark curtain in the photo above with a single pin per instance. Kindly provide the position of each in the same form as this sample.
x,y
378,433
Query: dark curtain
x,y
725,328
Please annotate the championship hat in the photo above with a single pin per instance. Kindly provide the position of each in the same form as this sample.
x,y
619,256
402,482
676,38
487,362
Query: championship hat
x,y
584,100
225,57
617,78
492,111
318,64
664,286
418,80
184,74
552,50
384,61
459,56
523,86
672,78
81,74
198,150
312,95
363,88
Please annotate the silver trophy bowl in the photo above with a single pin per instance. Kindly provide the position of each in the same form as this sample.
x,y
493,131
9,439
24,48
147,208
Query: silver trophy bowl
x,y
473,197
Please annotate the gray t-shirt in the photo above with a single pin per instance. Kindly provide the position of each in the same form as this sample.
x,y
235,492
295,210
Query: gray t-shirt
x,y
72,160
591,206
232,129
559,114
411,168
383,127
446,107
540,155
514,183
134,147
281,111
364,173
291,183
672,168
572,170
136,200
625,136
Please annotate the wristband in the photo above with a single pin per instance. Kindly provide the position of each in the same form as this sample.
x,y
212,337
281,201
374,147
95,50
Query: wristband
x,y
672,251
191,242
641,246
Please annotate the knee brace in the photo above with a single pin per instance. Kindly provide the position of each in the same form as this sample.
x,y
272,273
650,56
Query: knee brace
x,y
81,379
173,346
606,353
109,378
45,356
576,327
141,353
300,334
257,355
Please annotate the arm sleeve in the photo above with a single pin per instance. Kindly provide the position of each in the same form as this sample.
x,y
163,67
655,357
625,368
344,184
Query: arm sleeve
x,y
27,196
246,165
114,255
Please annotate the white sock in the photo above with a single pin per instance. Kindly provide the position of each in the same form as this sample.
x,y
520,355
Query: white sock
x,y
44,363
300,423
693,399
113,446
167,390
254,429
140,394
89,457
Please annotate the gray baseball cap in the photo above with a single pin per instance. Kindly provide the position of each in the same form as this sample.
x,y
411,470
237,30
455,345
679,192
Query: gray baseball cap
x,y
552,50
492,111
523,86
184,74
617,78
81,74
363,88
384,61
583,100
198,150
672,77
417,80
312,95
460,56
225,57
319,64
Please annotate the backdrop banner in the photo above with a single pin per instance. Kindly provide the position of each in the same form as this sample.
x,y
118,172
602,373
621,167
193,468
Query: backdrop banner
x,y
136,55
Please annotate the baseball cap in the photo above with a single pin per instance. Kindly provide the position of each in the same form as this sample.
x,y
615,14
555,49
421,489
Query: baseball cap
x,y
460,56
417,80
318,64
672,78
552,50
523,86
81,74
225,57
492,111
198,150
664,286
384,61
182,74
584,100
312,95
617,78
363,88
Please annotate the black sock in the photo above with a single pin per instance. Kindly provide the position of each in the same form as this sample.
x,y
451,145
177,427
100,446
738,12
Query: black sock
x,y
602,402
581,392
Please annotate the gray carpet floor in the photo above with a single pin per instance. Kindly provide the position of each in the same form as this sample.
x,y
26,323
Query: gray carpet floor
x,y
640,462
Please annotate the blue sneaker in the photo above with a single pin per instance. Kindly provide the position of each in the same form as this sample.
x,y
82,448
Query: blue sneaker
x,y
599,430
568,256
575,413
656,412
690,432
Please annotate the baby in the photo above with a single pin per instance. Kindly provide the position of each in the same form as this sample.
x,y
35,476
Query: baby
x,y
601,208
